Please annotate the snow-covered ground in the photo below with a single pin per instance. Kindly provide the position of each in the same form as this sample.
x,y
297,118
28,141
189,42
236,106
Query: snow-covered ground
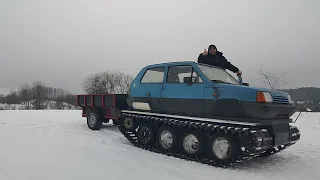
x,y
56,144
47,104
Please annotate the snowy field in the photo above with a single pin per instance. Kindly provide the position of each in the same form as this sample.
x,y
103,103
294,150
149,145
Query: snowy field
x,y
57,145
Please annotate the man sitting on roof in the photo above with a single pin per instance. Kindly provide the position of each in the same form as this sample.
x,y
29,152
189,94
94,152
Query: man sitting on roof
x,y
216,58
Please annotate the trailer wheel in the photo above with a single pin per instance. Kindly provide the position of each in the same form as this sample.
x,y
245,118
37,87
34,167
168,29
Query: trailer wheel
x,y
94,121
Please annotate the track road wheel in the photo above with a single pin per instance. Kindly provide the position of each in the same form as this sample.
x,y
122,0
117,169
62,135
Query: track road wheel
x,y
94,121
146,135
129,123
192,143
222,148
167,138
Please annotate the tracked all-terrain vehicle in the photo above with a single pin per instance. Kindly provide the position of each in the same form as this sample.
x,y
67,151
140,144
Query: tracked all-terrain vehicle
x,y
196,112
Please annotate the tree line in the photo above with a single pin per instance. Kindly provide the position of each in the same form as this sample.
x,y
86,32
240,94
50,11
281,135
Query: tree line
x,y
311,94
37,95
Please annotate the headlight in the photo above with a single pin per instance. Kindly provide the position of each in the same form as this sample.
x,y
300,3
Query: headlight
x,y
289,99
264,97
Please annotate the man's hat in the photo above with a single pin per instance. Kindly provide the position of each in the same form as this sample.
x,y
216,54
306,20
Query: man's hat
x,y
212,47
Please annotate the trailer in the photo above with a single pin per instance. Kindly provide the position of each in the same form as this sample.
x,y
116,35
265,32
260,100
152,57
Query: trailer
x,y
101,108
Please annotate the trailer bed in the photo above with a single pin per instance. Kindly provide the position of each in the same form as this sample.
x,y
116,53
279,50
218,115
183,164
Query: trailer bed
x,y
109,105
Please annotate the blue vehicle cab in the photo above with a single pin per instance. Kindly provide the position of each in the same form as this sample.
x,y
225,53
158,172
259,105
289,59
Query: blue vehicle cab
x,y
199,90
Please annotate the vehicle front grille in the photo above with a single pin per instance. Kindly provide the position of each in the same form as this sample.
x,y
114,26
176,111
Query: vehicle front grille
x,y
280,100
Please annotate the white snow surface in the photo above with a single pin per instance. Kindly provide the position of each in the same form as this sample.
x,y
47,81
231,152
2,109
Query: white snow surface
x,y
57,144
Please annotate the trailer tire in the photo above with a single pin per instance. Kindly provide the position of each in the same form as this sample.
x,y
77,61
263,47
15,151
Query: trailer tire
x,y
94,121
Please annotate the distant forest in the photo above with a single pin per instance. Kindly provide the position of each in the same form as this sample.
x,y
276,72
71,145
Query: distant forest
x,y
306,97
311,94
37,96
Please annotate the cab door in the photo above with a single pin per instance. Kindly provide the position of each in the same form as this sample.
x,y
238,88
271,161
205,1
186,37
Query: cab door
x,y
145,95
183,91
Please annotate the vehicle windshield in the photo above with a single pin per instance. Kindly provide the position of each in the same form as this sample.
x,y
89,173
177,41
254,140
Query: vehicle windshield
x,y
217,74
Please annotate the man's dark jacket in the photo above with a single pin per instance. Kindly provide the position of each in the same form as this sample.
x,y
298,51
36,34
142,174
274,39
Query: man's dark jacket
x,y
217,60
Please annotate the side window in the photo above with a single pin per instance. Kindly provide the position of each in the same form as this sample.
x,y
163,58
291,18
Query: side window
x,y
153,75
182,74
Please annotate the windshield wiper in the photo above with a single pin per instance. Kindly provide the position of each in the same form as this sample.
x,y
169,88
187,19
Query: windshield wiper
x,y
219,81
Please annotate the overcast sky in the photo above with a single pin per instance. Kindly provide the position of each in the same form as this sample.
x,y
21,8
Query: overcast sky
x,y
60,42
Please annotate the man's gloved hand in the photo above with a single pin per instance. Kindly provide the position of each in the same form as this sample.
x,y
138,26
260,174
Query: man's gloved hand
x,y
239,73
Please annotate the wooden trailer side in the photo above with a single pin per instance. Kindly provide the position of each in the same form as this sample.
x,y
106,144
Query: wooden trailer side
x,y
109,105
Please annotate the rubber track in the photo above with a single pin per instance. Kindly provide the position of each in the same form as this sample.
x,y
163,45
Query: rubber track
x,y
295,135
205,127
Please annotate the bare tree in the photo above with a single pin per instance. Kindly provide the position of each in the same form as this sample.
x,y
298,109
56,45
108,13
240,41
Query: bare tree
x,y
39,95
107,82
125,83
122,82
2,97
94,84
271,79
59,102
25,94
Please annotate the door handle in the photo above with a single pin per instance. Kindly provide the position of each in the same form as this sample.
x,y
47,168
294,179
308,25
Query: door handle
x,y
149,94
215,92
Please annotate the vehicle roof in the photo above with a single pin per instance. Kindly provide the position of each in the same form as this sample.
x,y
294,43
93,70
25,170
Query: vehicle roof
x,y
177,63
171,63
